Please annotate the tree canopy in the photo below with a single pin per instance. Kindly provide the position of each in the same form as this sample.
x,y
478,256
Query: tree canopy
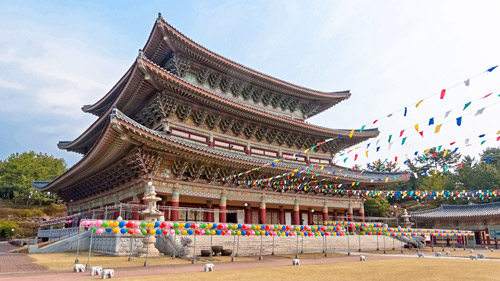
x,y
20,170
376,207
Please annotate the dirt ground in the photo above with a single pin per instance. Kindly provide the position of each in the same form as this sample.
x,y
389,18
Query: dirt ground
x,y
390,269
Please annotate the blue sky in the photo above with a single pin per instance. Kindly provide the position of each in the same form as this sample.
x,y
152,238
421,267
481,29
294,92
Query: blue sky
x,y
56,56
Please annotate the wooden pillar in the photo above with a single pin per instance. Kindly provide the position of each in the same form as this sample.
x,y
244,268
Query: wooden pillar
x,y
350,217
175,204
262,210
209,214
248,214
281,215
296,212
335,216
165,212
325,211
135,208
310,216
222,207
362,212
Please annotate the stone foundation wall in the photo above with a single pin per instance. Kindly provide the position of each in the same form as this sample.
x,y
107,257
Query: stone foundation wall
x,y
119,244
250,245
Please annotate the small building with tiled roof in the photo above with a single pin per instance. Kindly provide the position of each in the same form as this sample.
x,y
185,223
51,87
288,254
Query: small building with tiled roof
x,y
483,219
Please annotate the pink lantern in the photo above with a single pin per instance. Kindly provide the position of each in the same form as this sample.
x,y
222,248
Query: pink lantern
x,y
99,231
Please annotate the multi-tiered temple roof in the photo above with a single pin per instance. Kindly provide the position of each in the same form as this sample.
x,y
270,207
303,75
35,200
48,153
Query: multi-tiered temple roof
x,y
209,116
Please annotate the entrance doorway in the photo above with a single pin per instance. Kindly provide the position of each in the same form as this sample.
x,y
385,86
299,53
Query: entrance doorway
x,y
231,218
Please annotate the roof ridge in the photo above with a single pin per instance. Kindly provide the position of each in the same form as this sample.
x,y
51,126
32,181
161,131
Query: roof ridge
x,y
254,72
334,131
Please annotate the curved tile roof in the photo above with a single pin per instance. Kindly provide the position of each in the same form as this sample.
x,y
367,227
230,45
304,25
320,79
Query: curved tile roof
x,y
460,211
366,176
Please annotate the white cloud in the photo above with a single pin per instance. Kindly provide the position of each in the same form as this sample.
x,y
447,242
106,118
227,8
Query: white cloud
x,y
11,85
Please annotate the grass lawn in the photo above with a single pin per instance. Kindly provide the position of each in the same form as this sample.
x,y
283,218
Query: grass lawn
x,y
65,261
393,269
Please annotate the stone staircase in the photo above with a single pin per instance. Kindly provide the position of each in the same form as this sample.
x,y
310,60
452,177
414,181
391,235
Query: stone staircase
x,y
251,245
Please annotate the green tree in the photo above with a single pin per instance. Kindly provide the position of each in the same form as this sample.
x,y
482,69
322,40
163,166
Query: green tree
x,y
8,228
376,207
491,153
383,166
482,176
19,170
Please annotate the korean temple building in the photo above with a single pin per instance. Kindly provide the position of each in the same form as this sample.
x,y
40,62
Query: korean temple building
x,y
483,219
185,117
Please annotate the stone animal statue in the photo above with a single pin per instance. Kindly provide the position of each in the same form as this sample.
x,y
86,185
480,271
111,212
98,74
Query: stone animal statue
x,y
79,268
447,253
108,273
421,255
480,256
362,258
473,257
209,267
95,270
471,251
295,262
438,254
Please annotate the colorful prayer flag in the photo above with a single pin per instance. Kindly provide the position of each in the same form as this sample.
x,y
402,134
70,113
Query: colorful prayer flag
x,y
438,128
401,133
431,121
406,111
492,68
467,105
404,140
467,82
416,127
443,92
418,103
479,112
352,132
421,133
362,128
459,121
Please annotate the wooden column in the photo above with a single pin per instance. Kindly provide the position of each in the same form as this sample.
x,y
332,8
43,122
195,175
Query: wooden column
x,y
350,217
248,214
262,210
335,216
281,215
164,204
362,212
310,216
325,211
175,204
209,215
296,212
222,207
135,211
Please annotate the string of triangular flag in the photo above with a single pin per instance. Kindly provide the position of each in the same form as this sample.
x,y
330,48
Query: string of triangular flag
x,y
481,140
334,189
431,121
442,93
420,132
